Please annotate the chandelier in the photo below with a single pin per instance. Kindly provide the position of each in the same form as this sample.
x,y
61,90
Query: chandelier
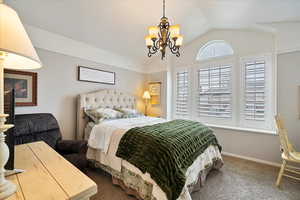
x,y
162,36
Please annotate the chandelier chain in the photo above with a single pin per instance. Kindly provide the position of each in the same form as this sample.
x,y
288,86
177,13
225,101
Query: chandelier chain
x,y
164,8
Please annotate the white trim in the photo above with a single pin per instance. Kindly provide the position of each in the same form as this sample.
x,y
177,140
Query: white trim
x,y
252,159
235,128
289,50
60,44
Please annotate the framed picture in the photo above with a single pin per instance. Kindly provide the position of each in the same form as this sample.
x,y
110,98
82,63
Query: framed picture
x,y
155,92
96,75
24,84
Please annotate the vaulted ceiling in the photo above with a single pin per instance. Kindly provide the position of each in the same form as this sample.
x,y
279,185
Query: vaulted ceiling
x,y
119,26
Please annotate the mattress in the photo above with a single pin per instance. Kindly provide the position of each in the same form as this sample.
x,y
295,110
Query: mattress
x,y
103,141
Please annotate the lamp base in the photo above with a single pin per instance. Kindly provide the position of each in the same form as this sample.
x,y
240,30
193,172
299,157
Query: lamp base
x,y
7,188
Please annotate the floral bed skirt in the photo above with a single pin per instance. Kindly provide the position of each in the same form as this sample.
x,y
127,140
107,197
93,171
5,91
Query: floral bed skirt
x,y
133,184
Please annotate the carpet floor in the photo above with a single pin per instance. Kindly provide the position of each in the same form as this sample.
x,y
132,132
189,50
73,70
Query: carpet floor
x,y
237,180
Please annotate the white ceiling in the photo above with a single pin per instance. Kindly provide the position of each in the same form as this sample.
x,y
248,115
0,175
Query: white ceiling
x,y
119,26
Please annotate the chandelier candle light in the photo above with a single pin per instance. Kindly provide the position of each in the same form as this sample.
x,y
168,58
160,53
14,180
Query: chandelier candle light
x,y
164,35
16,52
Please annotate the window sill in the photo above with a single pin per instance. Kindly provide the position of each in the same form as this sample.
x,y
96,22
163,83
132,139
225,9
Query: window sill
x,y
269,132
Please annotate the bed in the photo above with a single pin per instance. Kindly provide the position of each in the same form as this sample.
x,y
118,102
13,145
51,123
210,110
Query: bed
x,y
104,140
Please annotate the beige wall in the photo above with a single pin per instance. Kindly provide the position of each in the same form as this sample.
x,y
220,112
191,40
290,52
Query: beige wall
x,y
58,87
288,93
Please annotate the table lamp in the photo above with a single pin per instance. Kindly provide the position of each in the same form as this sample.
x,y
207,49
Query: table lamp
x,y
147,97
16,52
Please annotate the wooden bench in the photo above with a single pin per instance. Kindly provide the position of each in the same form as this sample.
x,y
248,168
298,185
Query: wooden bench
x,y
48,175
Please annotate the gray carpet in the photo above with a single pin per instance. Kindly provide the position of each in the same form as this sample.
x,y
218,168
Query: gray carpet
x,y
237,180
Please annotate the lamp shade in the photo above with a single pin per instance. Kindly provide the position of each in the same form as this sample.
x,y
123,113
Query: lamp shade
x,y
15,43
149,41
146,95
179,40
174,30
154,30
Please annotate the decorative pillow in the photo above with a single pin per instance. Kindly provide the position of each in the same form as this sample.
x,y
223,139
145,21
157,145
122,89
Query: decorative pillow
x,y
99,114
128,113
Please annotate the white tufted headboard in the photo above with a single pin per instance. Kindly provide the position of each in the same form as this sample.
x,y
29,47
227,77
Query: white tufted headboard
x,y
104,99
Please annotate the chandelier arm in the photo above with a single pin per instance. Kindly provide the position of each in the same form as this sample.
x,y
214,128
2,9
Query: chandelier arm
x,y
157,44
175,50
152,51
171,44
154,48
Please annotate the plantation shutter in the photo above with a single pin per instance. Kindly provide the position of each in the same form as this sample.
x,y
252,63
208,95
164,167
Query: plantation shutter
x,y
255,94
182,93
214,92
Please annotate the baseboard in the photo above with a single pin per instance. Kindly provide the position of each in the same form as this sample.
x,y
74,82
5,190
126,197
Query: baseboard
x,y
252,159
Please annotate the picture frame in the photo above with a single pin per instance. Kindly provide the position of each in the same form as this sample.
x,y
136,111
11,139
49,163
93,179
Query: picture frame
x,y
155,92
25,86
93,75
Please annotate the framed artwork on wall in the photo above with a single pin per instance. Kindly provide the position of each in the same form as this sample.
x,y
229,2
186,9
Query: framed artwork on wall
x,y
155,92
24,84
96,75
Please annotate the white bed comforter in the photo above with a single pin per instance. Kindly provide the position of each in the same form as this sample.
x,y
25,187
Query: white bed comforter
x,y
101,134
103,141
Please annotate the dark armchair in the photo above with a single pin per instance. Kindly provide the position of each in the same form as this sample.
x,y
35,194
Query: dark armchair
x,y
44,127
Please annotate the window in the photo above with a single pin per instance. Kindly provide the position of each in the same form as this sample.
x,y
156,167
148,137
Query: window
x,y
228,91
214,92
182,93
254,90
214,49
258,87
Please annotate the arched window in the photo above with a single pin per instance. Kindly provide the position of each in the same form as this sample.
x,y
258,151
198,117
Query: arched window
x,y
213,49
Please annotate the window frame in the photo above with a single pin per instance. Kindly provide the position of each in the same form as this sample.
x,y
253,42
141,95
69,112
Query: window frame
x,y
237,62
229,60
270,99
209,43
189,103
237,93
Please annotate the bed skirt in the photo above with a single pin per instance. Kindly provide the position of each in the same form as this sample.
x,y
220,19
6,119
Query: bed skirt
x,y
134,185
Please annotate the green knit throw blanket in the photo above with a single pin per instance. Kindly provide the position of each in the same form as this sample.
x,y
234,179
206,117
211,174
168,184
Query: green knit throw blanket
x,y
166,150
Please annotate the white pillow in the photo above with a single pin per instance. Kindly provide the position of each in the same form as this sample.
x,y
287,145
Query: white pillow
x,y
128,112
100,114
